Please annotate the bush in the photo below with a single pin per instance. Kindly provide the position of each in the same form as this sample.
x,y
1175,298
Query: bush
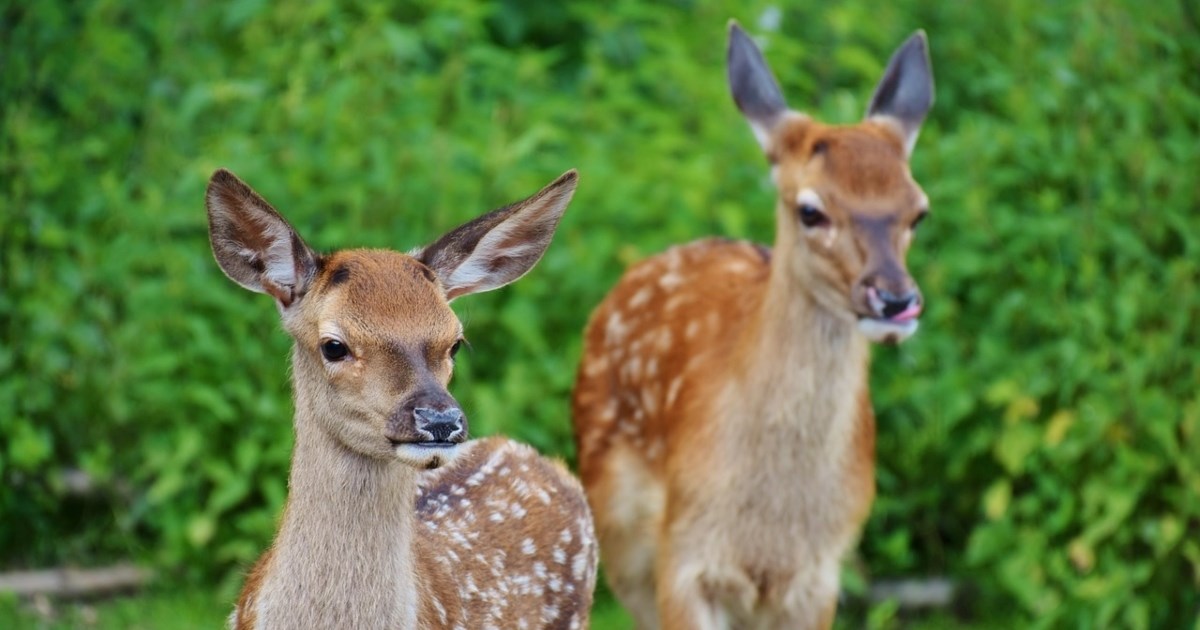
x,y
1039,440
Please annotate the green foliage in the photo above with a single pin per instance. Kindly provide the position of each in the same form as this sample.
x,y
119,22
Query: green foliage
x,y
1039,439
189,609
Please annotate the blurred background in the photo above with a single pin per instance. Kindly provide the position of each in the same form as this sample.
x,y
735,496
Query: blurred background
x,y
1039,439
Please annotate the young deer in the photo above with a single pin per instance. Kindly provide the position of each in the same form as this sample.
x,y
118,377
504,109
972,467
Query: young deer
x,y
725,431
393,519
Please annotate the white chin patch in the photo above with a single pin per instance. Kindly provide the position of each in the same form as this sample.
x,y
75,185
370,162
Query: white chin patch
x,y
426,457
882,331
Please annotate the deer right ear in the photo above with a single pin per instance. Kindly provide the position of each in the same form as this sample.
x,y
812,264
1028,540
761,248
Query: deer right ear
x,y
754,88
905,93
253,244
500,246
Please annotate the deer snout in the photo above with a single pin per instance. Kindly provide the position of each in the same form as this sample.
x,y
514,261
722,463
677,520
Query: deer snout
x,y
429,417
892,307
888,311
427,430
441,425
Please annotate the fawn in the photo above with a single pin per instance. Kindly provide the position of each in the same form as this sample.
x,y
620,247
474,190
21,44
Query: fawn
x,y
722,415
393,519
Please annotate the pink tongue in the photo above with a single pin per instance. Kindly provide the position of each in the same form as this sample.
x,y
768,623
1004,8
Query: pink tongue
x,y
908,314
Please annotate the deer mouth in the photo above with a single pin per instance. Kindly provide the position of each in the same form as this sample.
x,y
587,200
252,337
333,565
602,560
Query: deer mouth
x,y
433,437
426,455
424,445
890,330
428,444
885,319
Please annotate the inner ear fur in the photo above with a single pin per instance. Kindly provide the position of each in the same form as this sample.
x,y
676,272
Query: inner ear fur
x,y
253,244
500,246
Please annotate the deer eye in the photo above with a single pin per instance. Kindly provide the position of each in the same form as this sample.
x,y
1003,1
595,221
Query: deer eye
x,y
811,216
455,348
334,350
917,221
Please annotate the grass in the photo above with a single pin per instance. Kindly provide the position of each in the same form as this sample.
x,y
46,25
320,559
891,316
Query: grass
x,y
174,607
155,610
179,608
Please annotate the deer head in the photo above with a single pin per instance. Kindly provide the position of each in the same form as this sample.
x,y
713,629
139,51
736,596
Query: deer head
x,y
374,333
847,203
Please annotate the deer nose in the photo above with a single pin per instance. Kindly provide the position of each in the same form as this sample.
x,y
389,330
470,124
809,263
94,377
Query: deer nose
x,y
899,308
441,425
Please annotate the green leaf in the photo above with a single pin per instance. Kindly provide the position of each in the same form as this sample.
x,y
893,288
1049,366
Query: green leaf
x,y
28,446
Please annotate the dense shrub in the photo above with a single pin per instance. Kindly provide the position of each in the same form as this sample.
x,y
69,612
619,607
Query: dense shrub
x,y
1039,439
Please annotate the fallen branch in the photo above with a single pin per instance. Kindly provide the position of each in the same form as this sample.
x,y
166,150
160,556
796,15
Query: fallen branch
x,y
69,582
914,593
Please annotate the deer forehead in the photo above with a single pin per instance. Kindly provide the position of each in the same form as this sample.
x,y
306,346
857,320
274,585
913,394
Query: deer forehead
x,y
860,168
382,296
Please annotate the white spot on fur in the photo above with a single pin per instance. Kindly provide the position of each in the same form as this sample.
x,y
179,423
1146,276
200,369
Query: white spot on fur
x,y
676,301
579,565
615,329
633,369
639,271
670,281
641,297
441,610
674,257
650,399
737,265
664,339
673,390
596,366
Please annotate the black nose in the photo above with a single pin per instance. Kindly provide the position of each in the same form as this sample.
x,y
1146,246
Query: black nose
x,y
440,425
894,305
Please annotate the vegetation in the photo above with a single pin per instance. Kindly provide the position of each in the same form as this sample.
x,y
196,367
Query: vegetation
x,y
1039,439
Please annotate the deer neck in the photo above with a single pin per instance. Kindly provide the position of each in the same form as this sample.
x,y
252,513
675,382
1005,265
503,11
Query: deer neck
x,y
344,552
801,366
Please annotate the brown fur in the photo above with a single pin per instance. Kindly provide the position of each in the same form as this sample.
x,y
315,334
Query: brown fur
x,y
545,587
722,414
496,536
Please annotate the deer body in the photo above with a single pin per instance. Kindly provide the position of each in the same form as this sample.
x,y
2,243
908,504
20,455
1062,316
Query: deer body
x,y
722,412
393,519
352,544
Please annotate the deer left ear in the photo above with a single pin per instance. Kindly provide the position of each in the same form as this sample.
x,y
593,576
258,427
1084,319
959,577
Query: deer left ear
x,y
755,90
905,93
500,246
253,244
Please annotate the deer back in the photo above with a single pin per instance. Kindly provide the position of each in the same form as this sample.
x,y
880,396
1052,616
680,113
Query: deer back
x,y
507,540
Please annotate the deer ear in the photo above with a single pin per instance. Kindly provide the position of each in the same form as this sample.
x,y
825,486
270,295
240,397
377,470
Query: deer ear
x,y
905,93
754,88
500,246
253,244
